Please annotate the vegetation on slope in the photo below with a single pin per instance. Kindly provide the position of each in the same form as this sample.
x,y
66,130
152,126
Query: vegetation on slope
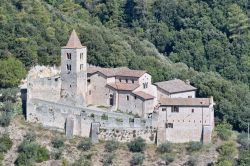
x,y
211,37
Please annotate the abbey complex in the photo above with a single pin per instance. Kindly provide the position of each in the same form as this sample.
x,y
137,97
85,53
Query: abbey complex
x,y
114,103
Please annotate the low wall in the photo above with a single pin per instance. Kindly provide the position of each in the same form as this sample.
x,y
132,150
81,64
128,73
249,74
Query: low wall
x,y
55,115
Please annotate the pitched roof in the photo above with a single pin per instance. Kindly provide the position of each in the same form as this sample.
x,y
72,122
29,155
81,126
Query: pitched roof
x,y
124,86
143,95
74,41
120,71
175,86
185,101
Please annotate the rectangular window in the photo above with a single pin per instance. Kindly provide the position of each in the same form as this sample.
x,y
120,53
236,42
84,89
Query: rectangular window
x,y
81,55
175,109
126,80
68,67
120,80
68,55
169,125
164,109
90,92
192,110
81,66
133,81
89,80
127,97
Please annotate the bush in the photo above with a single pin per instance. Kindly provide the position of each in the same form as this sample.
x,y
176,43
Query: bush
x,y
227,151
23,160
111,146
244,157
243,140
30,136
82,162
192,161
137,159
42,154
165,148
168,158
194,146
137,145
5,143
57,142
85,144
108,159
224,163
5,119
224,131
56,154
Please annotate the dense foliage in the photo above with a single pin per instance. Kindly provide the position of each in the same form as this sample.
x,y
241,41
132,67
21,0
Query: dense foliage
x,y
211,37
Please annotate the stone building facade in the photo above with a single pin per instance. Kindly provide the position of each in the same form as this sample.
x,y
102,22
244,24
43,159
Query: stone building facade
x,y
78,96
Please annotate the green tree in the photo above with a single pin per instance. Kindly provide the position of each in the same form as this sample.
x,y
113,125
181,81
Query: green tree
x,y
238,22
12,71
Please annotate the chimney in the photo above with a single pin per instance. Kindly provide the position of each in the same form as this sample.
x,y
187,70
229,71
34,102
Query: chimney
x,y
211,100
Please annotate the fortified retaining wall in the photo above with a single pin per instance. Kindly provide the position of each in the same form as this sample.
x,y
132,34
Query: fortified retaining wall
x,y
112,125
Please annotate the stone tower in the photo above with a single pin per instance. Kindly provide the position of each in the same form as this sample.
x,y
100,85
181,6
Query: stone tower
x,y
74,71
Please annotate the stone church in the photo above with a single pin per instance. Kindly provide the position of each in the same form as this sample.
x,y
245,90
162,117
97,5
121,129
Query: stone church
x,y
78,95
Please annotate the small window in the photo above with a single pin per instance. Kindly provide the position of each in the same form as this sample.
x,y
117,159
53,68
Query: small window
x,y
120,80
169,125
127,97
175,109
70,86
68,55
81,55
164,109
190,97
133,81
192,110
126,80
81,66
68,67
89,80
135,97
90,92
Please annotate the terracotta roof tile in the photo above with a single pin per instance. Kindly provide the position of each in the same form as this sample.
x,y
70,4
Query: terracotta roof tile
x,y
124,86
175,86
185,101
120,71
144,95
74,41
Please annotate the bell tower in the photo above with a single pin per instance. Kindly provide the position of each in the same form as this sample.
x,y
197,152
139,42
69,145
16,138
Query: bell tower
x,y
74,71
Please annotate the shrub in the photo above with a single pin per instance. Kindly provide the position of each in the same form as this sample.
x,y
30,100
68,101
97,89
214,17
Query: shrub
x,y
42,154
82,162
28,148
104,117
56,154
168,158
224,163
194,146
165,148
5,119
224,131
137,159
111,146
137,145
85,144
243,140
5,143
192,161
108,159
23,160
227,151
57,142
30,136
244,157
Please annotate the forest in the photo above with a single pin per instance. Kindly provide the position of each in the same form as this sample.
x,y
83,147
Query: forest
x,y
205,41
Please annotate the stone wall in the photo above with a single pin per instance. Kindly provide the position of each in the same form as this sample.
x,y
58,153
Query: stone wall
x,y
55,115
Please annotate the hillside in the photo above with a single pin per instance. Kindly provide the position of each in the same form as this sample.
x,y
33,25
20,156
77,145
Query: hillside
x,y
207,42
